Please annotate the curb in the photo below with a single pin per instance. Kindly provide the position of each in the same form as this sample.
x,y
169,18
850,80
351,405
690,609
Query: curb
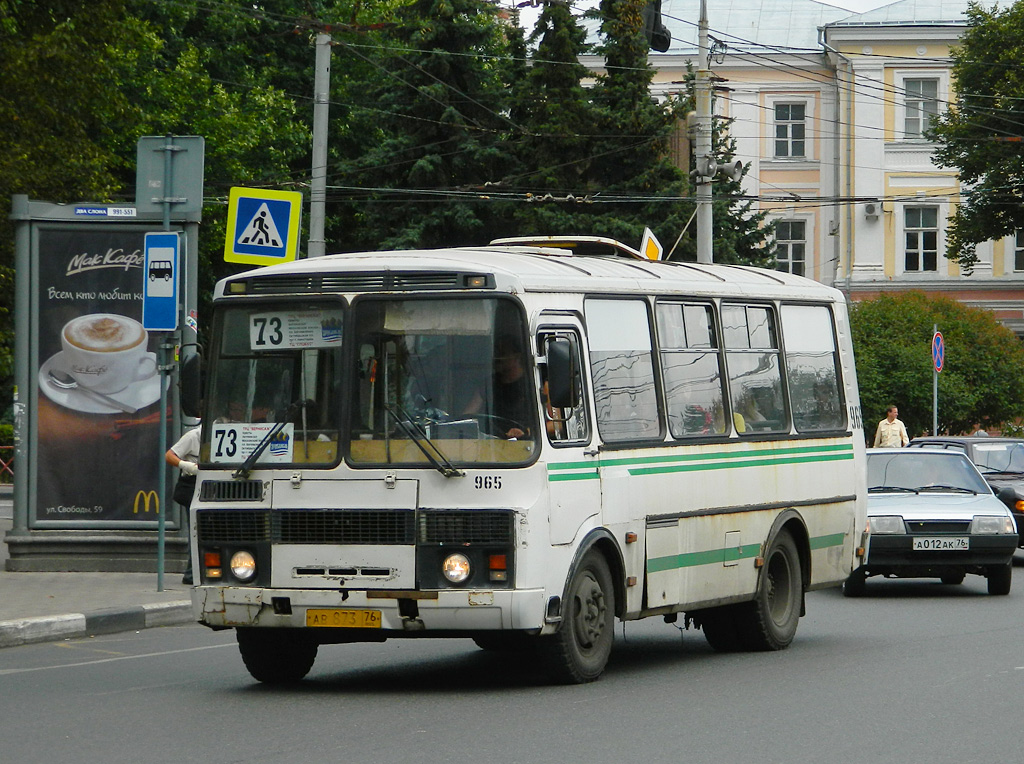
x,y
23,631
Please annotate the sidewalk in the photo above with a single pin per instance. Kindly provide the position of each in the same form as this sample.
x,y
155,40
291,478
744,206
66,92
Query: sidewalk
x,y
41,607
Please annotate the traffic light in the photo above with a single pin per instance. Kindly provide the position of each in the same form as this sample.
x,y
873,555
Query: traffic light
x,y
657,34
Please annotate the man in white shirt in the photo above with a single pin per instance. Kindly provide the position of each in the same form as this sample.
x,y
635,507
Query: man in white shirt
x,y
891,432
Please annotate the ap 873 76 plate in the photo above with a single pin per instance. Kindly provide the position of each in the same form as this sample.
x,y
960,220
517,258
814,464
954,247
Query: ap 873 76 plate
x,y
346,619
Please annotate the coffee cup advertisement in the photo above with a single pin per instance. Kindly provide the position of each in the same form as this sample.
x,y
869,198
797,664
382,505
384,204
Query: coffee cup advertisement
x,y
98,384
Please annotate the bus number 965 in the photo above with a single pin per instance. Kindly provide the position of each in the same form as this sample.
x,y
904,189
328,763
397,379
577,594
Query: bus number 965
x,y
487,482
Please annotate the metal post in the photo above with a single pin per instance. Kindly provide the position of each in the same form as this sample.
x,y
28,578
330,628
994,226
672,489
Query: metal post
x,y
702,86
318,184
935,387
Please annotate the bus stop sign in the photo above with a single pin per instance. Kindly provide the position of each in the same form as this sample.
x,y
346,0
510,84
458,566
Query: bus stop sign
x,y
160,282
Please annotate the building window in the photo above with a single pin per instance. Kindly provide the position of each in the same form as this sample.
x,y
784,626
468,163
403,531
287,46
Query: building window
x,y
922,103
921,236
1018,252
790,130
790,246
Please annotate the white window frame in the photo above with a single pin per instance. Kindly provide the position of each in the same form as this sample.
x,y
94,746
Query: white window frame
x,y
902,78
806,223
789,124
811,126
1017,242
940,216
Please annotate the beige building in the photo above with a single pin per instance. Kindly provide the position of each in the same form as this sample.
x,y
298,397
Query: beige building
x,y
828,109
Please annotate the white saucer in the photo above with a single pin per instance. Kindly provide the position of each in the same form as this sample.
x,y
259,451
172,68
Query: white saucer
x,y
137,395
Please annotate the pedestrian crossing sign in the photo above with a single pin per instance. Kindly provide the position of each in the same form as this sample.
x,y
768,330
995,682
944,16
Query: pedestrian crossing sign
x,y
263,226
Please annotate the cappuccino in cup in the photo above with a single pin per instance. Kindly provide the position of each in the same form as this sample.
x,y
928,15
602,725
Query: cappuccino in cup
x,y
104,333
106,352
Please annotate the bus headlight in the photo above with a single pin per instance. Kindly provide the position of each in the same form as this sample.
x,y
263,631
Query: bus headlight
x,y
456,568
243,565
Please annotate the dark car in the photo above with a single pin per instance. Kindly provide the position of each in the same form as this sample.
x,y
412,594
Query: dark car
x,y
1001,461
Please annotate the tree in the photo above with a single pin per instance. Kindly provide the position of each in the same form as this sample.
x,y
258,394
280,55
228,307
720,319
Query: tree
x,y
983,376
981,133
442,97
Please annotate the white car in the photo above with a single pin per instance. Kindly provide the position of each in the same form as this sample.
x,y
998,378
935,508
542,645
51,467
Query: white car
x,y
931,514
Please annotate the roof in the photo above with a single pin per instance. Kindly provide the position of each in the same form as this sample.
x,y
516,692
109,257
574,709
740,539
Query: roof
x,y
523,268
749,25
911,12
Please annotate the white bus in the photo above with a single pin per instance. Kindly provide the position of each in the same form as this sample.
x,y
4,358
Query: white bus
x,y
519,444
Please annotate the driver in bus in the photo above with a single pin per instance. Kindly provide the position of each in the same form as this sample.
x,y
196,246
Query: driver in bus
x,y
511,401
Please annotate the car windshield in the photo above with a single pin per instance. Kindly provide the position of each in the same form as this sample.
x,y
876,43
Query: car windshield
x,y
421,382
999,457
922,470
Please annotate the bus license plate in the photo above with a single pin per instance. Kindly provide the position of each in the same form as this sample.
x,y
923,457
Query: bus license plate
x,y
942,544
348,619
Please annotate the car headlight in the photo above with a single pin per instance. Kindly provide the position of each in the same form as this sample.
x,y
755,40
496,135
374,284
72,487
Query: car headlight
x,y
886,524
456,568
243,565
988,524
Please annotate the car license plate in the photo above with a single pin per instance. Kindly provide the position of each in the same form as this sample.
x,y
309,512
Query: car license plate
x,y
349,619
942,543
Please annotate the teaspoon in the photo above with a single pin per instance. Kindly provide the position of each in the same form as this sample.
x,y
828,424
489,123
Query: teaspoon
x,y
64,381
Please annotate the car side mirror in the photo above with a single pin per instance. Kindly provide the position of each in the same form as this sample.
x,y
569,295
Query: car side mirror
x,y
563,375
1008,496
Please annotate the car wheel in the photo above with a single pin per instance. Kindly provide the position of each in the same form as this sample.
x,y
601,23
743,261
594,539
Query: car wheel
x,y
854,585
953,578
1000,577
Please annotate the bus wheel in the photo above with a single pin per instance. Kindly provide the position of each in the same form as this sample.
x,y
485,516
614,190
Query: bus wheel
x,y
769,622
579,650
276,656
505,641
719,627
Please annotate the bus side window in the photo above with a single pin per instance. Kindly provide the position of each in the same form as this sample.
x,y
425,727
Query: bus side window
x,y
569,424
812,367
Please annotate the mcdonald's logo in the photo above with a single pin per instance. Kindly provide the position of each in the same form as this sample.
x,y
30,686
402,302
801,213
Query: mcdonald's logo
x,y
145,497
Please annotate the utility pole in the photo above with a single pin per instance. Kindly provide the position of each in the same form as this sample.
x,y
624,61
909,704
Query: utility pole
x,y
705,161
318,184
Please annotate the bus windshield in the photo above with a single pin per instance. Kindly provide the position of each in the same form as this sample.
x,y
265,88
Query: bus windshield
x,y
414,382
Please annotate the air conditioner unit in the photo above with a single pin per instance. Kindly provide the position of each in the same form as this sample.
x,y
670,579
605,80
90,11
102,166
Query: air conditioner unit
x,y
871,210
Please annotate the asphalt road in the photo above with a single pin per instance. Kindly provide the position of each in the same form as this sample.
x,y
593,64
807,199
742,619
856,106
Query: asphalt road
x,y
913,672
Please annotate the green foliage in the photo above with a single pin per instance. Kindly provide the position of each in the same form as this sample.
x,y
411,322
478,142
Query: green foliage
x,y
983,376
973,134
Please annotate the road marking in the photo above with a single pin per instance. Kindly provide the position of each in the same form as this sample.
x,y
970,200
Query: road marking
x,y
8,672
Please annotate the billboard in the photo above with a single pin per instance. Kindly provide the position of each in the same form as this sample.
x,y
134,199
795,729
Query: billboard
x,y
98,450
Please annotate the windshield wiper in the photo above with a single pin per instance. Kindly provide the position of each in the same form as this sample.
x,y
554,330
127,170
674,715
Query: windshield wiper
x,y
890,489
953,488
416,434
246,467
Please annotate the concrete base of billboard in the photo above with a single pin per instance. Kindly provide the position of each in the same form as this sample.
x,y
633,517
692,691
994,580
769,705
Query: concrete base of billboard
x,y
91,552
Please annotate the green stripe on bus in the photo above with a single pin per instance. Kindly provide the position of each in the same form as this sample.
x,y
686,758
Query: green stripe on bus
x,y
715,460
752,461
833,539
709,557
592,475
729,554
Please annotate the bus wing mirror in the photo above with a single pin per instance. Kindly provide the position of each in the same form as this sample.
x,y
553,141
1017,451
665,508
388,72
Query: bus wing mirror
x,y
563,375
190,385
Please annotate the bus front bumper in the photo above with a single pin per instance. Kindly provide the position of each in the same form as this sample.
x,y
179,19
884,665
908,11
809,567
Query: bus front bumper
x,y
453,610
